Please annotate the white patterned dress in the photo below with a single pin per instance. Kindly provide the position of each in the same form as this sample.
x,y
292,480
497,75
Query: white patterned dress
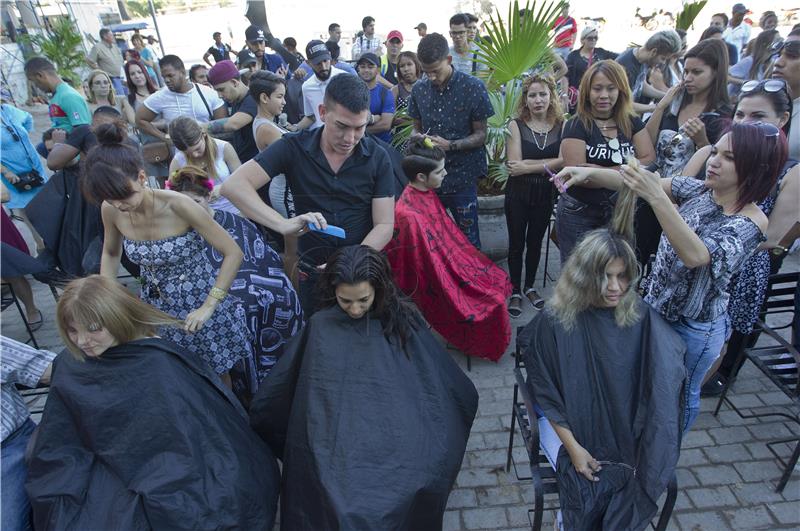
x,y
176,278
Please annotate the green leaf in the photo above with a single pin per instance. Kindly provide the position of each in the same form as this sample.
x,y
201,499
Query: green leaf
x,y
517,44
686,17
62,46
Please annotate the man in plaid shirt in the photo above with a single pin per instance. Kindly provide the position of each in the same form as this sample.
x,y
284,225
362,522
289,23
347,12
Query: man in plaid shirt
x,y
368,42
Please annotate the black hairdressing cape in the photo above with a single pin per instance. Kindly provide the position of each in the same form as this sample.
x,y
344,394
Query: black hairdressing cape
x,y
147,437
370,438
619,390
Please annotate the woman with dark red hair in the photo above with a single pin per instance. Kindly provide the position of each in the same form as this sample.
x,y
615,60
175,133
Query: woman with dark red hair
x,y
708,237
140,86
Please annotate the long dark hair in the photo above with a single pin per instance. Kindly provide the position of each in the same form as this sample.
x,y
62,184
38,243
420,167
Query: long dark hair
x,y
151,87
360,263
714,54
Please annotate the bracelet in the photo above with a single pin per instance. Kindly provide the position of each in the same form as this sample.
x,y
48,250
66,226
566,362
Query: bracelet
x,y
218,293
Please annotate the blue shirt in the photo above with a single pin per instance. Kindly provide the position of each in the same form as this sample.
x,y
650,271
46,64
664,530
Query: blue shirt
x,y
449,112
381,101
17,153
24,365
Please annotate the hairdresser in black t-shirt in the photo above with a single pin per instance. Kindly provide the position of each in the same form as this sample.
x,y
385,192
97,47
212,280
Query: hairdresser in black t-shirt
x,y
603,132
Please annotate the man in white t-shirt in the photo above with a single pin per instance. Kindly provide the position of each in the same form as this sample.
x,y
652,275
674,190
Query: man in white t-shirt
x,y
738,31
319,57
179,97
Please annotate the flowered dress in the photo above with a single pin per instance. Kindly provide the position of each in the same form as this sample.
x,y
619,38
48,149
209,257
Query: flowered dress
x,y
176,278
749,287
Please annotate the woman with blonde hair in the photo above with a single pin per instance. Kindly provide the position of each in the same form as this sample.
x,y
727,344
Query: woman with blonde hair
x,y
707,238
603,133
533,151
130,422
197,148
100,91
606,373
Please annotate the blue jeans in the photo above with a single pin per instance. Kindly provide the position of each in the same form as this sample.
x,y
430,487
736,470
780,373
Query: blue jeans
x,y
16,509
703,345
574,218
119,86
463,206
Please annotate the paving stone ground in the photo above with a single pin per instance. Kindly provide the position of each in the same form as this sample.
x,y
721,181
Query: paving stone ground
x,y
726,475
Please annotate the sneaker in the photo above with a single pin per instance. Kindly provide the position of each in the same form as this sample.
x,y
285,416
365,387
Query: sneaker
x,y
713,387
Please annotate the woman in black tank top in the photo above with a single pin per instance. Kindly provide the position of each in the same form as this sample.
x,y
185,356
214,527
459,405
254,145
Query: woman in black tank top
x,y
532,151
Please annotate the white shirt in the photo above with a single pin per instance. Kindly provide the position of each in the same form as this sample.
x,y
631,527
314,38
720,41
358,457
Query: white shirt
x,y
314,93
364,44
170,104
738,36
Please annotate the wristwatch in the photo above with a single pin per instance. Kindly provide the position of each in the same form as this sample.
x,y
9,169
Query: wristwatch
x,y
452,146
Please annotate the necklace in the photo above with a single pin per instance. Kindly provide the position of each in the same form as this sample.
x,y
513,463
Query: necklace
x,y
605,125
536,134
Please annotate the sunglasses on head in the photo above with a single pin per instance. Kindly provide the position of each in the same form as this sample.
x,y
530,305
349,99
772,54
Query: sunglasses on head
x,y
767,85
769,130
792,48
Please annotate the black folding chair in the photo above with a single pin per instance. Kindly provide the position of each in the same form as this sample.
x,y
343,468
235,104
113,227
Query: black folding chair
x,y
542,475
778,360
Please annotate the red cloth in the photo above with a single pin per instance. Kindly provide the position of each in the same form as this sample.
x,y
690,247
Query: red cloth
x,y
461,293
10,235
565,28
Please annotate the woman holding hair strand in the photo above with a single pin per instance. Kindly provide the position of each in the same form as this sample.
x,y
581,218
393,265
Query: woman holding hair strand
x,y
164,232
715,227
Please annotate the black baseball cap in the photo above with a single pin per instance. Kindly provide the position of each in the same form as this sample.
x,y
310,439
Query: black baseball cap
x,y
316,52
421,25
370,58
254,33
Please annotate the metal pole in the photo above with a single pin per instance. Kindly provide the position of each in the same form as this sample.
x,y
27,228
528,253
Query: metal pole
x,y
155,23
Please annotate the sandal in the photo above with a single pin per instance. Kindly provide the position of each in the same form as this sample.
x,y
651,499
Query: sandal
x,y
515,305
535,298
37,324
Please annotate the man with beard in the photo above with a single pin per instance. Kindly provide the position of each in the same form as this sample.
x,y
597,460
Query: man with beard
x,y
314,87
336,174
256,47
381,101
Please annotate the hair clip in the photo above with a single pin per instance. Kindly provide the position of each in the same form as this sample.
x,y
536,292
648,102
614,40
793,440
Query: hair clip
x,y
428,143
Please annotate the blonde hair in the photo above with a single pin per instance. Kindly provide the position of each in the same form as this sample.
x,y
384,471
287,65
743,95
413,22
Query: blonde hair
x,y
554,112
583,279
90,97
100,302
623,108
186,132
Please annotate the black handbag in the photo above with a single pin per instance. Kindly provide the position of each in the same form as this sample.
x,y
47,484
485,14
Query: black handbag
x,y
28,181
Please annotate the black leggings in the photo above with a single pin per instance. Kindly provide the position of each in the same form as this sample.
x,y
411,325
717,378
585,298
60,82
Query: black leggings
x,y
528,205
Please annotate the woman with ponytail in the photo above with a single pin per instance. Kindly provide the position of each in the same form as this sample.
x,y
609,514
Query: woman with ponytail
x,y
163,232
707,238
271,305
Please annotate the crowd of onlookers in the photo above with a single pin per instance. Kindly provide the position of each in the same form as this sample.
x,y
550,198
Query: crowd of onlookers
x,y
251,192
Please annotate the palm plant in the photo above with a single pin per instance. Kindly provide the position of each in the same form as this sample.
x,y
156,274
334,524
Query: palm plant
x,y
687,15
62,46
513,47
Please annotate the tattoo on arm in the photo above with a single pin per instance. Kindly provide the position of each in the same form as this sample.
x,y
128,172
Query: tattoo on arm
x,y
217,126
476,139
